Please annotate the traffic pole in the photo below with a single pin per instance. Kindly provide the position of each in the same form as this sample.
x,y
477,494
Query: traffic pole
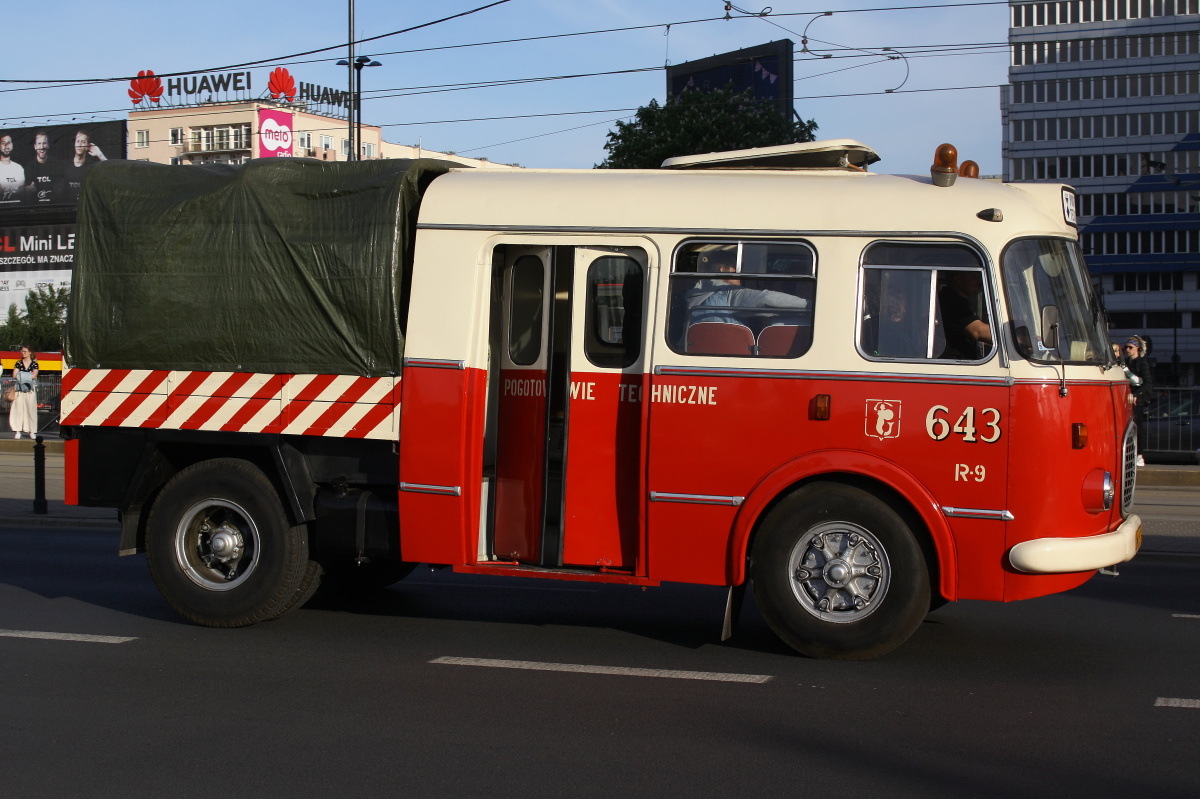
x,y
39,476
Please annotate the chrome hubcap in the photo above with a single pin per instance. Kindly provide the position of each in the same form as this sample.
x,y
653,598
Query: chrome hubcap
x,y
216,544
839,572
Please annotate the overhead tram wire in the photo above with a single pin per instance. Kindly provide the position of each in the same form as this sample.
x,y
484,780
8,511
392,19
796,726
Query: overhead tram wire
x,y
279,60
274,60
442,88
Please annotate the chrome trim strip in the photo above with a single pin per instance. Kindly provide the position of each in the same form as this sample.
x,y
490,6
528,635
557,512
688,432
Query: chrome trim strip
x,y
696,499
422,488
958,236
978,513
435,363
800,374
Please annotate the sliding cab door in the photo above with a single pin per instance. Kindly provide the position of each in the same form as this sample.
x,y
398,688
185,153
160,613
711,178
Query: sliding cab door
x,y
604,453
521,425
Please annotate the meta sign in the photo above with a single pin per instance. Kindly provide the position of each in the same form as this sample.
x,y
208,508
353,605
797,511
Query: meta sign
x,y
274,133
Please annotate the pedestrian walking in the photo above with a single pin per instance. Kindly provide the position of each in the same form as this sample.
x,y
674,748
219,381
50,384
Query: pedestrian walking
x,y
22,414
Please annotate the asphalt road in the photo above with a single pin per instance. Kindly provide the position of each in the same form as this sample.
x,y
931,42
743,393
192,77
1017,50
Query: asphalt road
x,y
1092,693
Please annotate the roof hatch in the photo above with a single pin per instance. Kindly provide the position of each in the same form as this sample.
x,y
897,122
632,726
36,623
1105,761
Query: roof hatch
x,y
828,154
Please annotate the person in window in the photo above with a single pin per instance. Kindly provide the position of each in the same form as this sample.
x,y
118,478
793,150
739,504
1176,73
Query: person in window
x,y
22,415
965,330
716,299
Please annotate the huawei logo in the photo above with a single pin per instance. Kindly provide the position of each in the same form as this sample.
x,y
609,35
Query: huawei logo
x,y
145,85
282,83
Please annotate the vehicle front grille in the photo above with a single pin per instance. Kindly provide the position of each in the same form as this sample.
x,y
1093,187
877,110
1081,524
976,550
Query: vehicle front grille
x,y
1129,456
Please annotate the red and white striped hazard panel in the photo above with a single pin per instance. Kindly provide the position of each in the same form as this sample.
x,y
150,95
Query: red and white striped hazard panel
x,y
343,406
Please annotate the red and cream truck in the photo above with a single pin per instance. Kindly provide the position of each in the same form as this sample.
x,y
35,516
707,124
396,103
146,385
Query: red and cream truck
x,y
865,394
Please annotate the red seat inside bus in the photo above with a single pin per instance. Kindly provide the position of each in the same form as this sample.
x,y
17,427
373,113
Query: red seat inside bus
x,y
783,341
720,338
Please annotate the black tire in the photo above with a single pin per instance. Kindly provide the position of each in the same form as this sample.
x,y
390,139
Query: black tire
x,y
220,547
309,583
346,578
838,574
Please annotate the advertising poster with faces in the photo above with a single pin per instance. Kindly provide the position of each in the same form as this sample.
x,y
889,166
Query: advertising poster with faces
x,y
32,257
43,166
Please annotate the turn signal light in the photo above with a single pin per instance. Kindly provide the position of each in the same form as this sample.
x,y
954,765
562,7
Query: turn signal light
x,y
969,169
819,409
1078,435
945,165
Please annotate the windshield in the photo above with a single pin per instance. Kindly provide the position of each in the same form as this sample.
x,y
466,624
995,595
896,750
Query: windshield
x,y
1049,296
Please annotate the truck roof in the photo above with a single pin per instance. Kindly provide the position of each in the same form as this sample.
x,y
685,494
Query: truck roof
x,y
756,201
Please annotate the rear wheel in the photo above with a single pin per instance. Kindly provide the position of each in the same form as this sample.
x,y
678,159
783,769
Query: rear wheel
x,y
220,547
838,574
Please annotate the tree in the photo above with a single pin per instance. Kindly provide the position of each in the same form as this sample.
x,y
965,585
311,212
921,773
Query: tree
x,y
695,122
40,327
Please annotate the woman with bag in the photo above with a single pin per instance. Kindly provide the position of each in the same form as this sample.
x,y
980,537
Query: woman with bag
x,y
22,415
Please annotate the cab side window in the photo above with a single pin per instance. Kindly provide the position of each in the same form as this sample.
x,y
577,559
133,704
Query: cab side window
x,y
525,310
613,335
924,302
752,299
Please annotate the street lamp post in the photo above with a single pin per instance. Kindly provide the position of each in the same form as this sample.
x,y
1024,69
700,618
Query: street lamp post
x,y
359,63
348,63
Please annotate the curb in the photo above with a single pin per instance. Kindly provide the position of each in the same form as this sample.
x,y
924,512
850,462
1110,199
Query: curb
x,y
54,445
1151,477
59,521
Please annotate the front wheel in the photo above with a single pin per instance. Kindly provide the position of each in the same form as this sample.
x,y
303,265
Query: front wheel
x,y
220,547
838,574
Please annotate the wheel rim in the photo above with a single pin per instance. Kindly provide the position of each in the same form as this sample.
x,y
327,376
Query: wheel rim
x,y
839,572
217,544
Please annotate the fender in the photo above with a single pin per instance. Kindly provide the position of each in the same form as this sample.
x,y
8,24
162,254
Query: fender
x,y
825,462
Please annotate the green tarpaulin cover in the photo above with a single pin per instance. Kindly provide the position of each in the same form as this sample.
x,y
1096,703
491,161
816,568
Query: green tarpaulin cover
x,y
279,266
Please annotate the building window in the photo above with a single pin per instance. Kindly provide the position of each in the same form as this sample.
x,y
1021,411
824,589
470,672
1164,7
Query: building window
x,y
326,142
346,147
176,136
142,138
368,149
176,161
304,140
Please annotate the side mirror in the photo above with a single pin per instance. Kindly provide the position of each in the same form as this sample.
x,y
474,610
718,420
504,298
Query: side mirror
x,y
1050,327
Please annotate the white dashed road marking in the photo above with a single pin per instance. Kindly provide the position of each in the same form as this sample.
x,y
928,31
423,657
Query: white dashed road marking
x,y
92,639
1163,701
620,671
1184,616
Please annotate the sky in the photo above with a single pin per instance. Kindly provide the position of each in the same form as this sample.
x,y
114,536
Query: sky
x,y
117,39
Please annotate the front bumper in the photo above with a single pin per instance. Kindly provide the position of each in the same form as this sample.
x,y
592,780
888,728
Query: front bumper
x,y
1067,555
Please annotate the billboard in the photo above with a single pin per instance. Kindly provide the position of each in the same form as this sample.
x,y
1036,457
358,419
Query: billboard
x,y
274,133
765,68
42,167
33,256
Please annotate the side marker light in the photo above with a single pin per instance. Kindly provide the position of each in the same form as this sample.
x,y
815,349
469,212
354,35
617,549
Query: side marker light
x,y
1078,435
991,215
819,409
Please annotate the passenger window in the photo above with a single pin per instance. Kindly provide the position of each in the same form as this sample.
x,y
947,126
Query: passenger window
x,y
614,311
750,299
525,310
924,302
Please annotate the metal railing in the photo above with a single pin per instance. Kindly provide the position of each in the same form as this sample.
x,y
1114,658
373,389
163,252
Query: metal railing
x,y
1173,421
49,394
